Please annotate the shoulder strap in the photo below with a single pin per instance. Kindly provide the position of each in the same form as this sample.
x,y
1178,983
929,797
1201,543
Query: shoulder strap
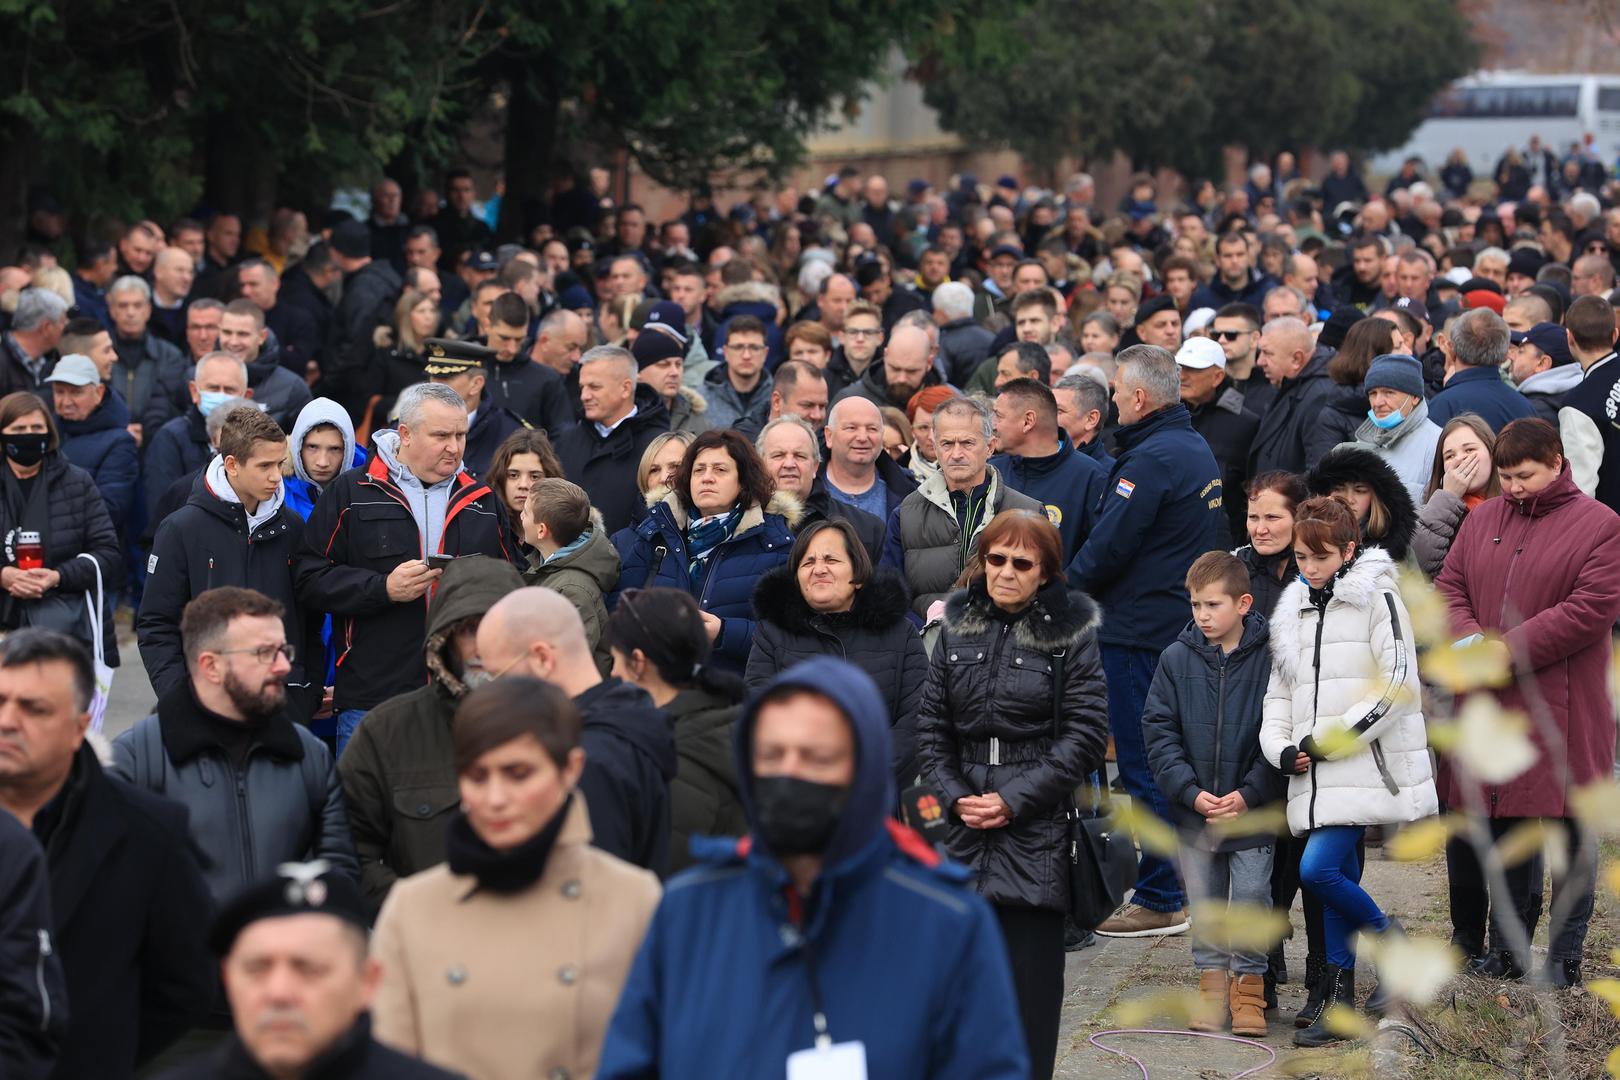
x,y
154,760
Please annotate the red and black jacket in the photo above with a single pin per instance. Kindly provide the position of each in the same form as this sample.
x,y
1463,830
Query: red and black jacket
x,y
358,532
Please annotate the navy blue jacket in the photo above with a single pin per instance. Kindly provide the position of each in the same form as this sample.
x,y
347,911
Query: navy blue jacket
x,y
1201,724
719,987
1067,484
102,446
653,552
1162,509
1480,390
1217,294
175,449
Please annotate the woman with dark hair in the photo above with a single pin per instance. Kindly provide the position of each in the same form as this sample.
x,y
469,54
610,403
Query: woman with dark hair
x,y
715,530
523,892
1269,554
1538,568
1463,477
658,643
1379,498
1014,715
830,601
51,513
519,463
1345,407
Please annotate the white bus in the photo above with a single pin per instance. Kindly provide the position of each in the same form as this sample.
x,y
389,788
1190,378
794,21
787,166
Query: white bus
x,y
1486,113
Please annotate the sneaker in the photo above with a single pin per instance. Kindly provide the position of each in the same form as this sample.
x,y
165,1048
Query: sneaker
x,y
1134,921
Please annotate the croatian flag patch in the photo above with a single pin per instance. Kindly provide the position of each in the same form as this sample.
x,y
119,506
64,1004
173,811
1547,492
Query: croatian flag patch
x,y
1124,488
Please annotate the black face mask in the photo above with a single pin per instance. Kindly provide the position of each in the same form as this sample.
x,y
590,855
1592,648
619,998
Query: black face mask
x,y
797,817
26,450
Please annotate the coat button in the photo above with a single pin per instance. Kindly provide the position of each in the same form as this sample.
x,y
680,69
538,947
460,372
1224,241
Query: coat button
x,y
570,890
456,975
424,809
980,656
953,656
1018,660
568,975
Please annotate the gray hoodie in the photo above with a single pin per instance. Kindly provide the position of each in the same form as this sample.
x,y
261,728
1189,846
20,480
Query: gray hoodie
x,y
321,411
428,505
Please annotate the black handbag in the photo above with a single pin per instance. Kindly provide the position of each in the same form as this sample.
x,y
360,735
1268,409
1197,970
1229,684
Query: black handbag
x,y
1101,856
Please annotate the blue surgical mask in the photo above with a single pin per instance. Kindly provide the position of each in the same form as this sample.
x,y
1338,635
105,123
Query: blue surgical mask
x,y
1393,420
209,400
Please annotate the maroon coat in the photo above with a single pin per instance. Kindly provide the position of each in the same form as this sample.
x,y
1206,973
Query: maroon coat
x,y
1545,574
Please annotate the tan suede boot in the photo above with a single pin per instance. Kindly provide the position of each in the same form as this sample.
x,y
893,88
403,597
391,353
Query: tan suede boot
x,y
1210,1015
1248,999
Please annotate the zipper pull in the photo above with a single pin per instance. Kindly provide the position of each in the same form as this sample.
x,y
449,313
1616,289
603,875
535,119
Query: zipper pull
x,y
45,942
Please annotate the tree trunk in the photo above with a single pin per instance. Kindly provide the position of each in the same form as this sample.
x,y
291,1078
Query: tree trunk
x,y
531,138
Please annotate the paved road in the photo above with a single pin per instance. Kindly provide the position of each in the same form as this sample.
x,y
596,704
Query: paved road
x,y
132,696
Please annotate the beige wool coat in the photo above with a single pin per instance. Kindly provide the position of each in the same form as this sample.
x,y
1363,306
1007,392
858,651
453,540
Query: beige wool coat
x,y
512,987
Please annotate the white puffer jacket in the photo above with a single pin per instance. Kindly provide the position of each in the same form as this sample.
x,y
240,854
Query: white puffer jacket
x,y
1362,703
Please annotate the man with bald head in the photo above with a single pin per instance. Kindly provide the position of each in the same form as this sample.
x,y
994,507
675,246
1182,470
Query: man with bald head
x,y
629,744
1299,375
907,367
172,274
857,471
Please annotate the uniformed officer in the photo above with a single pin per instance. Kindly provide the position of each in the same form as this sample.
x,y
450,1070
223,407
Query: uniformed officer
x,y
464,367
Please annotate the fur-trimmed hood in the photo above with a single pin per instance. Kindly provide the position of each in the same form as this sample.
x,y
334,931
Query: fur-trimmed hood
x,y
781,503
1058,617
1371,573
749,292
1349,464
879,604
694,400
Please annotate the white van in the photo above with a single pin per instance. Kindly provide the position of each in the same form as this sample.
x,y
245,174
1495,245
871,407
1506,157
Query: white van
x,y
1489,112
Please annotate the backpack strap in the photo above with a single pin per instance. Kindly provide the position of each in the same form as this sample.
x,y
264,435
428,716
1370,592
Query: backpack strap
x,y
152,758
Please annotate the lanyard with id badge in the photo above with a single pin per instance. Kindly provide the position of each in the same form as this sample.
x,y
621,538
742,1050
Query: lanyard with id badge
x,y
826,1060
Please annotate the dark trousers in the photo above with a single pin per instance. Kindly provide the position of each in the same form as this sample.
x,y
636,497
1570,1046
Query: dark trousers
x,y
1034,939
1473,907
1130,673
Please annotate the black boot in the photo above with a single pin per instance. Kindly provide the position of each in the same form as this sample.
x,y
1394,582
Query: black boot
x,y
1564,974
1497,966
1270,981
1338,988
1378,1000
1278,964
1313,993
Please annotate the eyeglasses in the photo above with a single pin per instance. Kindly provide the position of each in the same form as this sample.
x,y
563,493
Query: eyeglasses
x,y
264,654
1229,335
1019,563
746,350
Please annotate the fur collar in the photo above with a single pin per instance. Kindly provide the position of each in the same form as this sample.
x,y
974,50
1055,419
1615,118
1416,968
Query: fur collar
x,y
1371,573
749,292
782,504
694,400
879,604
1058,618
1347,464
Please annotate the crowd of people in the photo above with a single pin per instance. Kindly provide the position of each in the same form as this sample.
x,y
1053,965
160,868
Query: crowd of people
x,y
550,637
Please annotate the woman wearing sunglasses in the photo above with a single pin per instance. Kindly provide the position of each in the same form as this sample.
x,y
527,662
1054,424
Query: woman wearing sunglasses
x,y
1013,717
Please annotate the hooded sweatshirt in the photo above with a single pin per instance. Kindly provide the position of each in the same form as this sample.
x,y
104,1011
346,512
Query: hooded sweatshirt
x,y
893,931
428,504
219,483
323,411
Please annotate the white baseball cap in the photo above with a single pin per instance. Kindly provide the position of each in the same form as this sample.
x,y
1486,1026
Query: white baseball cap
x,y
1200,353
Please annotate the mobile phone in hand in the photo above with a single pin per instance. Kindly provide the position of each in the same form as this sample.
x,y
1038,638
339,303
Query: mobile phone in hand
x,y
439,562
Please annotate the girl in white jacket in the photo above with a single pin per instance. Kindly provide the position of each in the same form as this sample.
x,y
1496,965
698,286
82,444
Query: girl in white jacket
x,y
1343,719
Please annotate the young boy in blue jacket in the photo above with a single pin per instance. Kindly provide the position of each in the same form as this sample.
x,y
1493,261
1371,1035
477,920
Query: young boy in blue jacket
x,y
1201,725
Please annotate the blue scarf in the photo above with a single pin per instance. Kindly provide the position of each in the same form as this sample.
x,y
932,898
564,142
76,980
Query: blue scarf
x,y
703,537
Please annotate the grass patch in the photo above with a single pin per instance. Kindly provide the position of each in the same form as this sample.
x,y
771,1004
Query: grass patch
x,y
1491,1030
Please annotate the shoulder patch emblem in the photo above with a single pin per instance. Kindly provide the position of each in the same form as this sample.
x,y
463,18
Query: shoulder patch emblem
x,y
1124,488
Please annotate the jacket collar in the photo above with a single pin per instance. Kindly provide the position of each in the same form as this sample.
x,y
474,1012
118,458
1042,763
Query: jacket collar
x,y
1058,617
1483,373
1256,634
1383,438
1561,492
879,604
188,729
1555,380
1174,416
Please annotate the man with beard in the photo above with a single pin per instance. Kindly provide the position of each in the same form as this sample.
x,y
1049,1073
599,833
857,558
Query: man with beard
x,y
261,790
904,370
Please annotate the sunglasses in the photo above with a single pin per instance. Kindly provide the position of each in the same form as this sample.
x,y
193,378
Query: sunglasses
x,y
1229,335
1019,563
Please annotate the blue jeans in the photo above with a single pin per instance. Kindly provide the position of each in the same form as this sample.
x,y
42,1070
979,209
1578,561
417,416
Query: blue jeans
x,y
1329,868
1129,673
347,721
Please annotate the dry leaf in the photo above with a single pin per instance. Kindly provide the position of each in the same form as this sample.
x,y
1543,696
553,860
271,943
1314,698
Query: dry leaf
x,y
1238,927
1426,609
1262,821
1154,836
1175,1007
1608,990
1470,667
1420,840
1611,1064
1413,969
1493,743
1347,1023
1521,843
1597,805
